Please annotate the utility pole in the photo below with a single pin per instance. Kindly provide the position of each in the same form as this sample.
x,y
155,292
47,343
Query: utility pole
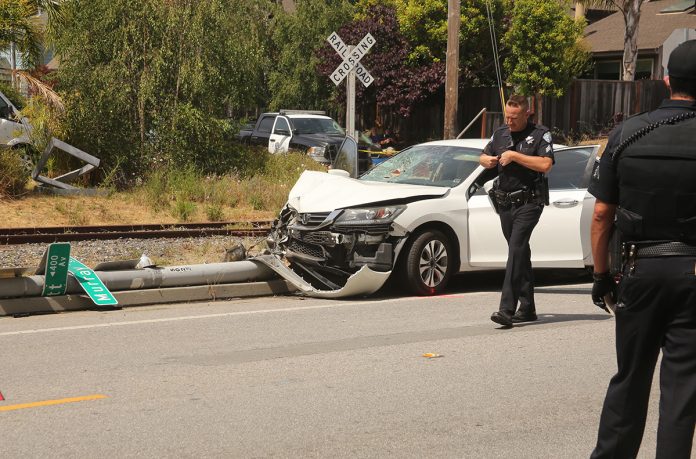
x,y
452,66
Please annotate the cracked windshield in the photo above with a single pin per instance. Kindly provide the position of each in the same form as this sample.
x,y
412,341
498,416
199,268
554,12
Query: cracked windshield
x,y
443,166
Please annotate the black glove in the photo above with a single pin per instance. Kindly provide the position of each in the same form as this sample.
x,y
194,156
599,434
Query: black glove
x,y
603,284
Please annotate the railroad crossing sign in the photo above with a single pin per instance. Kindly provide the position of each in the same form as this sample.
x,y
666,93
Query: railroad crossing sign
x,y
351,68
56,269
91,284
351,59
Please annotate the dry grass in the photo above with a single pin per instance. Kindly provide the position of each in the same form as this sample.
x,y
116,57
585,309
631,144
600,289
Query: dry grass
x,y
171,197
119,209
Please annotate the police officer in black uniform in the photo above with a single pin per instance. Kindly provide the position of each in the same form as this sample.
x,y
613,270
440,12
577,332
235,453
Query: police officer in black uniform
x,y
522,152
646,178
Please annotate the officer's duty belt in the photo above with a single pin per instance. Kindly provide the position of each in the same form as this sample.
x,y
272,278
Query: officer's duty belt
x,y
513,198
665,249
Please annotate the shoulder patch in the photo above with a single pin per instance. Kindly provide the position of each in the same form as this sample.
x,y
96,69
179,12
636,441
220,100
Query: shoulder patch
x,y
547,136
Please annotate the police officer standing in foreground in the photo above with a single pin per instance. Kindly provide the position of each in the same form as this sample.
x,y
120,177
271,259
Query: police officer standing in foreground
x,y
522,151
647,179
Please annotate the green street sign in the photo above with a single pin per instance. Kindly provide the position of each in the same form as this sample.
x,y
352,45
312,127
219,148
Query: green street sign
x,y
91,284
56,269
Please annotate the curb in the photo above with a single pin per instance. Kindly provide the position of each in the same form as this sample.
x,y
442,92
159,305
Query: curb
x,y
128,298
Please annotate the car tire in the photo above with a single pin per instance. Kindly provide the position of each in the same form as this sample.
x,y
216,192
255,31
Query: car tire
x,y
428,264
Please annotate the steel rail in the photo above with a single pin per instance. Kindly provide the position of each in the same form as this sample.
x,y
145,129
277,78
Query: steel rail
x,y
10,236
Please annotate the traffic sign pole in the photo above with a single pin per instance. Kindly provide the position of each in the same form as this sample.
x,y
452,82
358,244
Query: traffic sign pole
x,y
350,101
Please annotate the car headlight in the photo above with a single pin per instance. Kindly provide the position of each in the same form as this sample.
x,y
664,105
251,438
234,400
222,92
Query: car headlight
x,y
384,214
316,151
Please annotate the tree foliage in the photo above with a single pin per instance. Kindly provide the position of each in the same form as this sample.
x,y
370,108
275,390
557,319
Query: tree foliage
x,y
544,48
17,26
399,83
293,80
162,65
423,24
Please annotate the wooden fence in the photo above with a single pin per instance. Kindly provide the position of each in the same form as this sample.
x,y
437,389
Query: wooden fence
x,y
588,107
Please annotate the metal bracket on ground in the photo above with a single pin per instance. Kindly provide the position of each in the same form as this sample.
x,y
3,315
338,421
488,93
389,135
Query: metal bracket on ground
x,y
60,185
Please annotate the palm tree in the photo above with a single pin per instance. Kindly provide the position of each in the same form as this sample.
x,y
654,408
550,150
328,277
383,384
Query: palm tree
x,y
630,9
24,33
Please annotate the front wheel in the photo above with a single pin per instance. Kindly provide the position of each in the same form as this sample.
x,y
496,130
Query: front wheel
x,y
429,263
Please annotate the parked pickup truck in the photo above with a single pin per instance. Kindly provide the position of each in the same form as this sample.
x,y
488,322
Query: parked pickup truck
x,y
309,131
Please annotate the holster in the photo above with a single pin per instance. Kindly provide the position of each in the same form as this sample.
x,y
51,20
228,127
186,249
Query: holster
x,y
541,189
494,200
492,194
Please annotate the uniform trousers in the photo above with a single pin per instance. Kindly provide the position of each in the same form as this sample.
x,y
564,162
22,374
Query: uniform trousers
x,y
518,222
656,310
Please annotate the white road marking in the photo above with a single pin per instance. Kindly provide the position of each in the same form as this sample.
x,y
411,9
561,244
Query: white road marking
x,y
262,311
228,314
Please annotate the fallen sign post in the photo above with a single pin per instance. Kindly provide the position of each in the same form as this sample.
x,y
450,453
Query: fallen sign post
x,y
91,284
351,68
55,264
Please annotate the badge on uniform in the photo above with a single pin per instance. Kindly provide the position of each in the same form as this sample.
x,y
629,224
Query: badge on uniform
x,y
529,140
595,170
547,136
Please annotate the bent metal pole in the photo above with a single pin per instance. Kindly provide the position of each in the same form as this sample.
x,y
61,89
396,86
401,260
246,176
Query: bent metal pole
x,y
138,279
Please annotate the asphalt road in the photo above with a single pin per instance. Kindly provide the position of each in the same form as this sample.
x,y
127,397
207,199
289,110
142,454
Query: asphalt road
x,y
296,377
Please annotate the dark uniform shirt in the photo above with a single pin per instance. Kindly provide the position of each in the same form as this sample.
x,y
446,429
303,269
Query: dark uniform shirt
x,y
604,184
533,140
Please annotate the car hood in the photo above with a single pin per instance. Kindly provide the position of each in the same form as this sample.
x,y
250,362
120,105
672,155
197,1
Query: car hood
x,y
322,192
318,139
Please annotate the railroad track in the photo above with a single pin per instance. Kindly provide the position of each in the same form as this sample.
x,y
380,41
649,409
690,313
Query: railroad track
x,y
9,236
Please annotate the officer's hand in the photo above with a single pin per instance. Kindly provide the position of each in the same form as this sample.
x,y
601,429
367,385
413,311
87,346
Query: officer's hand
x,y
507,157
488,161
603,285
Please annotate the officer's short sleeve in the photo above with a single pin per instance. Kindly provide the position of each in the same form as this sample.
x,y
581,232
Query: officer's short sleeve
x,y
487,148
545,147
604,184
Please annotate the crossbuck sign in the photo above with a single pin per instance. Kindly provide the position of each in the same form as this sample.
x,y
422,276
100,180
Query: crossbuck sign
x,y
351,68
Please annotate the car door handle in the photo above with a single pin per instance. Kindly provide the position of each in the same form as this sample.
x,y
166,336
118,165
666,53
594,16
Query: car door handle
x,y
566,203
272,140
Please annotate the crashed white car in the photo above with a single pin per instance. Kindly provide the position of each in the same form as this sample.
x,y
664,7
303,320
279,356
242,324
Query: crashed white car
x,y
423,215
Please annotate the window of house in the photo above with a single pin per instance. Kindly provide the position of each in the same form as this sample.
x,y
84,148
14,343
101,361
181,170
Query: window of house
x,y
608,70
613,70
644,68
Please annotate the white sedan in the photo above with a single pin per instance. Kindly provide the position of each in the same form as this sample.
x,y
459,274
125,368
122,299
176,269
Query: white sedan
x,y
422,215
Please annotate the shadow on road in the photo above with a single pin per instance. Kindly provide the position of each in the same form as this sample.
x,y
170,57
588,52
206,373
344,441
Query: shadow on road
x,y
557,318
492,281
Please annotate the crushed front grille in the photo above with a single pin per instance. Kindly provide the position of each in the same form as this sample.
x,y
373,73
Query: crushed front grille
x,y
305,249
319,238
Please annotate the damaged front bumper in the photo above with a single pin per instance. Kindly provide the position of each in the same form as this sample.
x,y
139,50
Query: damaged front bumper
x,y
330,255
363,282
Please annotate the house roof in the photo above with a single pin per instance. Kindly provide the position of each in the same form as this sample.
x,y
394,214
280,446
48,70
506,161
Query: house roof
x,y
606,35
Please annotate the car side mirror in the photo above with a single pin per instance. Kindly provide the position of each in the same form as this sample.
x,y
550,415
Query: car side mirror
x,y
488,186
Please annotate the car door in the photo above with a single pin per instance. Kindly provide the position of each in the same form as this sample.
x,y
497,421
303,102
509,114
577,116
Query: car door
x,y
560,238
279,142
262,133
